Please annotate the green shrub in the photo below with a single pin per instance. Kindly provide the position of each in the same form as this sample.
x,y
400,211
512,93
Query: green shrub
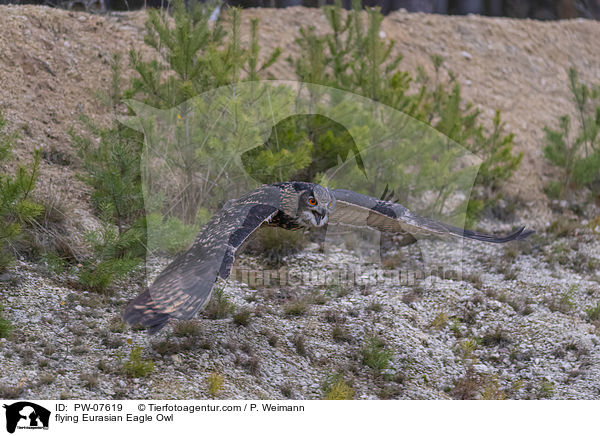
x,y
545,389
187,328
5,325
353,57
299,148
114,173
336,388
215,383
440,321
242,318
594,312
376,355
219,306
17,208
113,257
113,166
274,243
576,152
195,56
296,307
137,367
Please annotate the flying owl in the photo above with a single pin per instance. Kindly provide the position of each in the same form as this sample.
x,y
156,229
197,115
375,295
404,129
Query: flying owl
x,y
185,285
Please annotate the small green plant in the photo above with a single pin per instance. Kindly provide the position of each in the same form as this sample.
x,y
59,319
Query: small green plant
x,y
296,307
111,259
440,321
242,317
593,312
187,328
299,148
340,334
545,389
467,387
171,235
5,325
566,299
17,208
136,366
455,327
375,307
336,388
54,262
375,354
563,304
577,153
112,165
273,244
300,344
219,306
89,380
467,348
215,383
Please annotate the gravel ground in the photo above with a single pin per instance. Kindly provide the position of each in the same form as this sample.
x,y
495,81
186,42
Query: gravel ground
x,y
516,326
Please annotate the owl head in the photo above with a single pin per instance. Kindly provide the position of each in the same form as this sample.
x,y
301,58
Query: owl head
x,y
314,206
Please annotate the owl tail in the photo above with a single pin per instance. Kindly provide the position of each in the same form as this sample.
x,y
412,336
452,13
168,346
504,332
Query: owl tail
x,y
143,310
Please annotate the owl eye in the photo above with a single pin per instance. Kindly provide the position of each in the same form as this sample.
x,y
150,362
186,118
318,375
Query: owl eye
x,y
312,201
329,205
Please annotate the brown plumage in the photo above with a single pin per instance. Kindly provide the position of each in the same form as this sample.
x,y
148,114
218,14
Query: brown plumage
x,y
185,286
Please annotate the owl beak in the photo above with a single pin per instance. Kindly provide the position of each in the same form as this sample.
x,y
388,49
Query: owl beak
x,y
319,216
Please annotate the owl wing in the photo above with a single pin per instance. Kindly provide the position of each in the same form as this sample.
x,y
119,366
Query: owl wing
x,y
185,286
357,210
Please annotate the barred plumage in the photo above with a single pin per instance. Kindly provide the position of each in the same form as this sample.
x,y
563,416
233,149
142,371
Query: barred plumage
x,y
185,286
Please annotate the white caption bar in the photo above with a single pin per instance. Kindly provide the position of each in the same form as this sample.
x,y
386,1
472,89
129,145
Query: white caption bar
x,y
149,417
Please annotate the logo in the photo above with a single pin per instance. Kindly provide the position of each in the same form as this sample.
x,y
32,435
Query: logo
x,y
26,415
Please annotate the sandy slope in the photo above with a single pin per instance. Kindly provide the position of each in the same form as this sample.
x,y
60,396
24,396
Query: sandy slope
x,y
517,66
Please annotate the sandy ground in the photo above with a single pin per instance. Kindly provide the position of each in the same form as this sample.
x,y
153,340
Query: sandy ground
x,y
517,66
